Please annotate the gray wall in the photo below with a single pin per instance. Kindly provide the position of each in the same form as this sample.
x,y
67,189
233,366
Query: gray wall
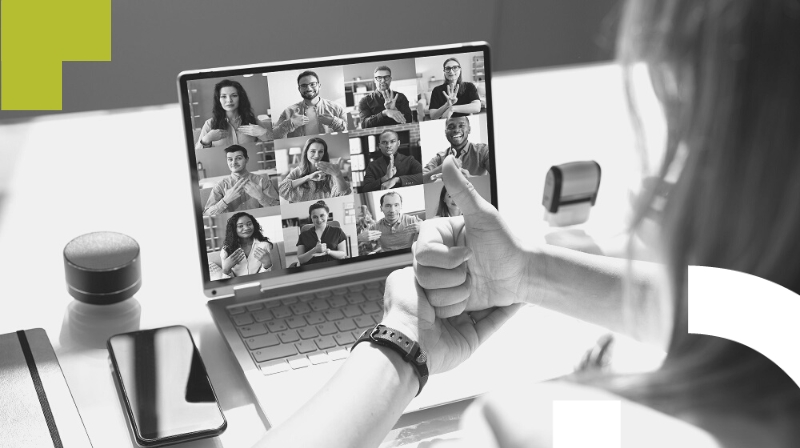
x,y
153,40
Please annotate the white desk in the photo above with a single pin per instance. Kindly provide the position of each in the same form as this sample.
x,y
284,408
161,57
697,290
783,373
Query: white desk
x,y
110,180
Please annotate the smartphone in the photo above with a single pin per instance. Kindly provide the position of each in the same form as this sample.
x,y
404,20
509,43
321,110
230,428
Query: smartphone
x,y
164,386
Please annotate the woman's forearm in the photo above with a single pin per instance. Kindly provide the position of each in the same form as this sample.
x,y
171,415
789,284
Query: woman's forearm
x,y
337,254
303,257
593,287
360,404
300,181
436,113
471,108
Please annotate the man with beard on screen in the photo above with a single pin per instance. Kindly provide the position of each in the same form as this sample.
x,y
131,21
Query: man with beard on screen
x,y
313,115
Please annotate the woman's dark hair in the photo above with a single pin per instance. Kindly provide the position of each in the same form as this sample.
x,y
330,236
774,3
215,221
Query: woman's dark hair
x,y
460,75
232,239
726,74
318,204
246,113
305,165
443,210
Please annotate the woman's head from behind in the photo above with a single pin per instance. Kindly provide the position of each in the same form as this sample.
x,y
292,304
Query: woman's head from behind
x,y
725,73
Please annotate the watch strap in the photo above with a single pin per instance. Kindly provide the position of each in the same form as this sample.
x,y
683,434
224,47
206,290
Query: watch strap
x,y
407,348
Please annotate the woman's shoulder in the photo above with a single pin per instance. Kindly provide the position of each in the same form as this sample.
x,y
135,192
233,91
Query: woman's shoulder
x,y
506,415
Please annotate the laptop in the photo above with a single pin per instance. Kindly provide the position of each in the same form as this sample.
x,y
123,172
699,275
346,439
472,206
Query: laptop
x,y
267,142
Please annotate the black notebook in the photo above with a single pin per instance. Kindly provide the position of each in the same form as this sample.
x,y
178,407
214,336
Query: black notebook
x,y
36,406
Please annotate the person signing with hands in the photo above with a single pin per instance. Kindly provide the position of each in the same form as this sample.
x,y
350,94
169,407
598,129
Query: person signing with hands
x,y
233,119
454,97
322,242
391,169
242,190
383,107
245,250
397,230
313,115
315,177
472,158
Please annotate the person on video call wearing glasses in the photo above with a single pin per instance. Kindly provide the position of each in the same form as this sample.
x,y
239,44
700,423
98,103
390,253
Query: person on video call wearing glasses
x,y
242,190
725,74
391,169
454,97
396,230
383,107
313,115
473,158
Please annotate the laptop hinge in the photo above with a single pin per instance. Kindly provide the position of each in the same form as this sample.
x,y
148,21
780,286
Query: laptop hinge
x,y
248,291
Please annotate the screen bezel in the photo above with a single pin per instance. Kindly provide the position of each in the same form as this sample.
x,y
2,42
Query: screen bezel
x,y
225,287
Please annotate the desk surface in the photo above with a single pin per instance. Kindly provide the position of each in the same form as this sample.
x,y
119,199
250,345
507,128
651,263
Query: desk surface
x,y
110,181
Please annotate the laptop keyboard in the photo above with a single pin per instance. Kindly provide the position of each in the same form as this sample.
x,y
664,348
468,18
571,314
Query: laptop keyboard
x,y
316,328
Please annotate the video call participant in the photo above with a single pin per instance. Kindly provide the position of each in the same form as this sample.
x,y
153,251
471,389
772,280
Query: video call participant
x,y
473,158
447,206
245,250
391,169
242,190
322,242
454,97
383,107
233,119
311,116
315,177
397,230
364,221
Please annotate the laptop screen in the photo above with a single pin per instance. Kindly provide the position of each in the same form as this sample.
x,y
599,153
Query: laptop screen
x,y
304,167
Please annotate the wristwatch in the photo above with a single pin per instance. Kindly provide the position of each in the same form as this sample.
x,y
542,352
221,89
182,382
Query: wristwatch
x,y
400,343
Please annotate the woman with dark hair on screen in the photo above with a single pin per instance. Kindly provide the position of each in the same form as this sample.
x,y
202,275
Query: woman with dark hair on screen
x,y
322,242
454,97
447,206
245,250
233,121
315,177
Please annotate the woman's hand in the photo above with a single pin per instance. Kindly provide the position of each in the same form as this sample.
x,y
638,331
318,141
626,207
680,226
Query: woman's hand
x,y
214,135
315,176
448,342
259,252
330,169
451,95
232,260
252,130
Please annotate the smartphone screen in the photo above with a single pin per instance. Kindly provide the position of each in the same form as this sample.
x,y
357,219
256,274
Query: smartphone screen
x,y
164,385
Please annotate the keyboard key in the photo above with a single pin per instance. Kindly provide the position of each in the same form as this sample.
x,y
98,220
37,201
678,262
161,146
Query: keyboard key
x,y
355,297
327,328
277,325
299,362
237,310
363,321
352,311
373,294
249,331
337,301
306,346
333,314
272,304
296,322
324,342
306,297
288,336
275,352
357,334
243,319
289,300
265,340
346,325
319,304
377,317
254,307
344,338
370,307
373,285
323,294
262,315
315,318
340,291
319,358
273,367
281,312
307,332
299,308
338,353
355,288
